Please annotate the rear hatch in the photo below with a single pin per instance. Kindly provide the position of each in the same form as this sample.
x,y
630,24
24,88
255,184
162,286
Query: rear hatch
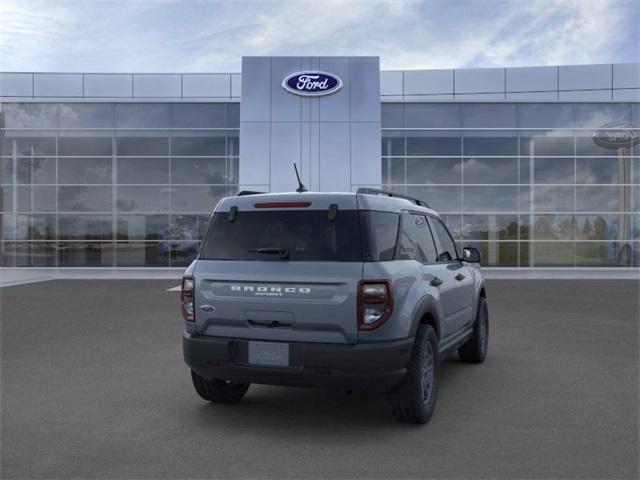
x,y
281,267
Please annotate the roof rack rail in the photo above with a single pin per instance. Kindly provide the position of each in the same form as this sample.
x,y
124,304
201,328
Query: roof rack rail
x,y
242,193
375,191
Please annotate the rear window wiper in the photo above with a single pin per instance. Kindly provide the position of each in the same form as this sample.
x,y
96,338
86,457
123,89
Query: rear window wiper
x,y
283,252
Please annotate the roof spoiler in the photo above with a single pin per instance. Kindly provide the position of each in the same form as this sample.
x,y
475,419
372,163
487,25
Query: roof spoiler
x,y
243,193
386,193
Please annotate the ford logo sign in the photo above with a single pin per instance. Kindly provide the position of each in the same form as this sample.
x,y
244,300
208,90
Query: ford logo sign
x,y
312,84
617,135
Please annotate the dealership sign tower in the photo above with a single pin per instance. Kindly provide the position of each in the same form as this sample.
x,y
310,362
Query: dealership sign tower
x,y
322,113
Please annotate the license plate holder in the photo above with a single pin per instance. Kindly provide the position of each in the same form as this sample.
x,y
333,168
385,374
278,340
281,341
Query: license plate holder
x,y
272,354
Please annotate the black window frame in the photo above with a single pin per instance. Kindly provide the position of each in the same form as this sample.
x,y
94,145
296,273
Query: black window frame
x,y
429,228
433,218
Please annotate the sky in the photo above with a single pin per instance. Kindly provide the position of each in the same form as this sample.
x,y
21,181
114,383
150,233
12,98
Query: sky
x,y
212,36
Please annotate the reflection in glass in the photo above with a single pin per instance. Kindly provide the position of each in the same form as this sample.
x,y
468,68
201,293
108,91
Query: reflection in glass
x,y
84,199
84,146
36,170
32,146
6,171
86,115
604,254
553,170
197,199
199,170
490,227
431,145
491,199
151,254
143,146
142,115
36,199
553,199
490,170
84,170
554,227
596,115
604,227
393,144
442,199
545,115
540,145
198,146
200,115
85,227
603,170
490,145
183,253
143,227
603,198
489,115
28,227
454,224
91,254
37,254
143,199
393,170
30,115
143,170
433,170
392,115
552,254
496,254
432,115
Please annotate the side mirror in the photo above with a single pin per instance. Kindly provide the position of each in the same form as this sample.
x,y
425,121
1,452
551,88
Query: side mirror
x,y
471,255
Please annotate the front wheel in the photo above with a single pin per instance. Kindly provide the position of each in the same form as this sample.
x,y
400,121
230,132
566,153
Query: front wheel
x,y
475,349
414,400
219,391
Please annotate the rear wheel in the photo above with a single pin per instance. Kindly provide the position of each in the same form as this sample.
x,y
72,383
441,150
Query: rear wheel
x,y
475,349
414,400
219,391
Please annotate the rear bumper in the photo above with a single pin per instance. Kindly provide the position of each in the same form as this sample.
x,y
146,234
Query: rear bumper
x,y
373,367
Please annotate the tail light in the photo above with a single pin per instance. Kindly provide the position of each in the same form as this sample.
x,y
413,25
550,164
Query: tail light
x,y
375,303
187,298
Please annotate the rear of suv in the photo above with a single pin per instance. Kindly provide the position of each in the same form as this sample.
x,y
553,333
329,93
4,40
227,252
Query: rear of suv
x,y
355,291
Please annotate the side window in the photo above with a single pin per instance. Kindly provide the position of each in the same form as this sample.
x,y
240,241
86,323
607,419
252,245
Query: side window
x,y
415,241
380,231
447,251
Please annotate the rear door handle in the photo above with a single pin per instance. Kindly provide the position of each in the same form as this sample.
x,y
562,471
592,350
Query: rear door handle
x,y
436,282
459,277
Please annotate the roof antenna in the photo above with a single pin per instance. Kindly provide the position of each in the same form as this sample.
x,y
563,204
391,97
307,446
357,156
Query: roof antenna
x,y
301,188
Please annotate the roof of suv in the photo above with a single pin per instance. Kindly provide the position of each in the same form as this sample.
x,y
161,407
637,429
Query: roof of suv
x,y
320,201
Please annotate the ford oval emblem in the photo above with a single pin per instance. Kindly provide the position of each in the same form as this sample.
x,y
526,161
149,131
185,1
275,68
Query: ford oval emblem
x,y
617,135
207,308
312,84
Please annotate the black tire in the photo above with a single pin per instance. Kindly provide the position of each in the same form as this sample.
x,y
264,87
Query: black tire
x,y
219,391
409,401
475,349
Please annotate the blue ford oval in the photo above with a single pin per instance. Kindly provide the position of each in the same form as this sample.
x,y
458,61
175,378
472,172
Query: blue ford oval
x,y
312,84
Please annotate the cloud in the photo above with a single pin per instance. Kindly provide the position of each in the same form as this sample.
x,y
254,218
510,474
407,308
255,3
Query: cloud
x,y
198,35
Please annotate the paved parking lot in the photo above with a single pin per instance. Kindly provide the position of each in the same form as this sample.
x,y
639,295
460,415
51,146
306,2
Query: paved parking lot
x,y
93,386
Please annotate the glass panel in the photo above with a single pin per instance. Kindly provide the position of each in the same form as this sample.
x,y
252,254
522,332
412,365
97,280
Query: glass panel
x,y
84,146
85,227
198,146
392,115
143,170
84,199
545,115
31,146
442,199
187,227
393,170
199,115
428,144
541,145
93,254
603,199
6,170
142,254
554,227
603,254
379,232
36,199
392,143
603,170
490,227
489,115
490,170
636,169
604,227
553,199
30,115
197,199
454,224
6,199
29,227
83,115
199,170
143,227
447,245
497,254
143,199
552,254
183,253
143,146
586,146
142,115
490,145
432,115
434,170
490,199
553,170
635,229
84,170
598,114
233,115
37,254
36,170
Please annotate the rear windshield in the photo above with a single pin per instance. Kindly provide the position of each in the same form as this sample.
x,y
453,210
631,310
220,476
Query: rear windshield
x,y
293,235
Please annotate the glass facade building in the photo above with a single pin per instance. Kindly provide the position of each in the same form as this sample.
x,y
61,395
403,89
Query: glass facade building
x,y
126,179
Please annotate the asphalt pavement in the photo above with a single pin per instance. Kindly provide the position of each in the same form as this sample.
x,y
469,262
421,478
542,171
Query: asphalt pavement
x,y
93,386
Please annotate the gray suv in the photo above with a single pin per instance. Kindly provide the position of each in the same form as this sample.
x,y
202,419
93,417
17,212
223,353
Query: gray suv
x,y
355,291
